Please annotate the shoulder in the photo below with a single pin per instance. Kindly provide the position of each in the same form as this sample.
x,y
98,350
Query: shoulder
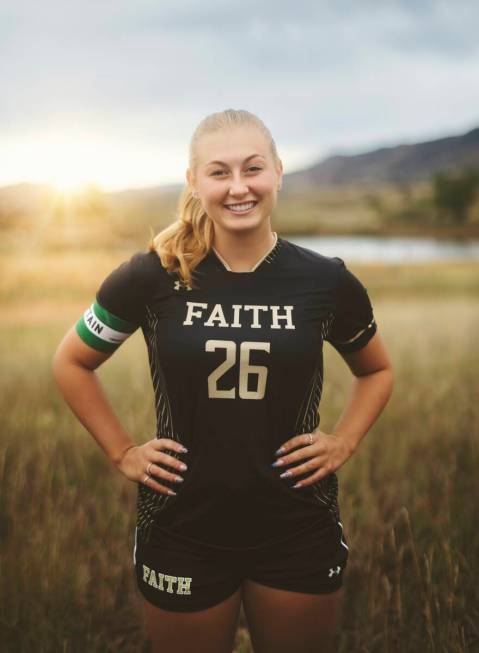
x,y
307,260
145,270
145,263
131,282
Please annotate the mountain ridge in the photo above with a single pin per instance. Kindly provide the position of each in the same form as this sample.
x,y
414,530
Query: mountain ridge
x,y
402,163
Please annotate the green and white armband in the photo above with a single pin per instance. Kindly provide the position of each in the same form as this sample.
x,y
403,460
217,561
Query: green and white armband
x,y
102,330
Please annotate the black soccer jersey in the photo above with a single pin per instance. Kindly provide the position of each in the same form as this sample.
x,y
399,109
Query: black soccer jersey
x,y
237,369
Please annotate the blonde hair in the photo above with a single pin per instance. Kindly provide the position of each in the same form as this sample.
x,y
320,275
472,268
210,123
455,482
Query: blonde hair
x,y
183,244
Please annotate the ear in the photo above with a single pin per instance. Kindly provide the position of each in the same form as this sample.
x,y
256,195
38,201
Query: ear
x,y
189,177
279,172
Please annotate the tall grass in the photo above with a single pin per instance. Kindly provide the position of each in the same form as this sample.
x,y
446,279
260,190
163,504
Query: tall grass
x,y
408,496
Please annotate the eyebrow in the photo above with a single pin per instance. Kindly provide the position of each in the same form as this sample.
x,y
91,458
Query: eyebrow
x,y
221,163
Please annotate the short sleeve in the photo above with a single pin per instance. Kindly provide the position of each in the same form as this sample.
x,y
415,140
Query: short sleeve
x,y
118,309
353,323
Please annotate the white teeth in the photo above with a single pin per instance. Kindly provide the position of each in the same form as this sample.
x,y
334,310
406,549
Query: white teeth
x,y
241,207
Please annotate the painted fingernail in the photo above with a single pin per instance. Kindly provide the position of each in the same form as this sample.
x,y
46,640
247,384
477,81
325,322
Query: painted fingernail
x,y
297,485
280,450
277,463
288,473
184,450
172,493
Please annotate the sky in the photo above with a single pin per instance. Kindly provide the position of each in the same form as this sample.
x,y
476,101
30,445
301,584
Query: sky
x,y
110,91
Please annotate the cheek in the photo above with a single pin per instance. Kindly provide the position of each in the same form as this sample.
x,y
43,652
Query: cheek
x,y
263,186
217,198
213,195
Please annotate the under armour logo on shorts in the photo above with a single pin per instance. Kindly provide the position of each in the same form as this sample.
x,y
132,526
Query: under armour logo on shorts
x,y
333,571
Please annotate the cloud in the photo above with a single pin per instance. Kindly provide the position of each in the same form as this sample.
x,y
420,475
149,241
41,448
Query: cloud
x,y
322,75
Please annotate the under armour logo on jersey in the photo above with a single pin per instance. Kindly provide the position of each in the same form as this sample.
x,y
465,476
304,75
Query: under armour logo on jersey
x,y
333,571
179,284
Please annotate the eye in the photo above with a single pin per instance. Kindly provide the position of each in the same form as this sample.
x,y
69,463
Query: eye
x,y
219,172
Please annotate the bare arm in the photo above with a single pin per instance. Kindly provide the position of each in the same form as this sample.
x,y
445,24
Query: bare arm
x,y
73,368
373,382
372,386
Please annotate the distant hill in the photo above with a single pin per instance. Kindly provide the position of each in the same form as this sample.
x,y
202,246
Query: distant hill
x,y
402,163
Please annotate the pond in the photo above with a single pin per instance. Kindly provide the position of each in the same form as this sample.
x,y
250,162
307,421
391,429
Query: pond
x,y
392,249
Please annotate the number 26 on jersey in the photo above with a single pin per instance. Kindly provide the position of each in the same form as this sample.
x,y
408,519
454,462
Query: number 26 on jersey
x,y
245,369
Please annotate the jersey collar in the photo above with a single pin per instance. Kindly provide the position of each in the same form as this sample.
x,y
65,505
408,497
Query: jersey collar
x,y
267,257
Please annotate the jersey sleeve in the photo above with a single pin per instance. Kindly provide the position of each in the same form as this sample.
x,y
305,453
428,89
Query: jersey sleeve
x,y
118,309
353,324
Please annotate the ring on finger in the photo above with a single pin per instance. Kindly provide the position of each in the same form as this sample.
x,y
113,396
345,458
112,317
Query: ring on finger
x,y
146,478
148,471
310,438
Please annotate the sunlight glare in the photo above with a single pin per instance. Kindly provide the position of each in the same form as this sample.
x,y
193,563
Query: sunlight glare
x,y
70,159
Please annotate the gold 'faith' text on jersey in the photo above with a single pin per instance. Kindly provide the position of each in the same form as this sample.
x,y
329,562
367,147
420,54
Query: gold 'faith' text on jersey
x,y
257,315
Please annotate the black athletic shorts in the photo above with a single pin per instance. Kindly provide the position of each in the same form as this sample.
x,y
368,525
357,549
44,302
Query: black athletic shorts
x,y
175,573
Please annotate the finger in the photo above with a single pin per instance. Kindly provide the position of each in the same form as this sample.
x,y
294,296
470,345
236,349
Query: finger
x,y
167,443
298,454
157,471
151,483
166,459
311,464
301,440
325,469
313,478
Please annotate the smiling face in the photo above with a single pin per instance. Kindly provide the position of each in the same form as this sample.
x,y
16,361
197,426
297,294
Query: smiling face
x,y
235,166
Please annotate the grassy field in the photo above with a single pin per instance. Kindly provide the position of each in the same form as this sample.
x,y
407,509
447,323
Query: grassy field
x,y
408,496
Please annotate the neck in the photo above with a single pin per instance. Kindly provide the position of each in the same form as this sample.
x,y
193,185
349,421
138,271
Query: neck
x,y
242,252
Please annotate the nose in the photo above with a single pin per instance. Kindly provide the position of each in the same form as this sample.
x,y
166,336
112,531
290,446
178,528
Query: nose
x,y
238,192
238,187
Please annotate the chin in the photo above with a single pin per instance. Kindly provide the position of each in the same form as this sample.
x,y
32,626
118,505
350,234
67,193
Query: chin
x,y
243,225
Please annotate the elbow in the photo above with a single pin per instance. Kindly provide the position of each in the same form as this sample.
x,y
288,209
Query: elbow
x,y
59,365
56,366
390,379
386,374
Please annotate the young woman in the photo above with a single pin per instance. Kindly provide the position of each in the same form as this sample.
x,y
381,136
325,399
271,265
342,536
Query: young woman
x,y
237,491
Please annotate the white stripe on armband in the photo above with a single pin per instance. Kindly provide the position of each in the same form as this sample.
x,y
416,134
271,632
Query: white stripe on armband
x,y
101,330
